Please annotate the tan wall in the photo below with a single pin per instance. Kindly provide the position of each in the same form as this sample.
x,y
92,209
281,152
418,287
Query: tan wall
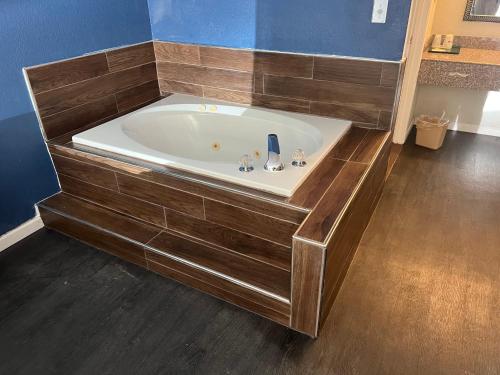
x,y
429,30
449,20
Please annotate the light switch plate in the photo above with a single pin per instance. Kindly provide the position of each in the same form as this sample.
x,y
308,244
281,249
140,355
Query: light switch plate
x,y
380,11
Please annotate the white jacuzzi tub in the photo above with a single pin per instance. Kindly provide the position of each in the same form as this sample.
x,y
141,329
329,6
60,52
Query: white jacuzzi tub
x,y
209,138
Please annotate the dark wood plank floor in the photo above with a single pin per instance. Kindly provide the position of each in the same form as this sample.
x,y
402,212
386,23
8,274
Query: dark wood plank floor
x,y
422,295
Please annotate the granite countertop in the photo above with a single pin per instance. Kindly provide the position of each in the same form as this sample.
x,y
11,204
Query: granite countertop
x,y
467,56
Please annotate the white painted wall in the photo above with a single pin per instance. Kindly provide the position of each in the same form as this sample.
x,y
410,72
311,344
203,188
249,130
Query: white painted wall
x,y
476,111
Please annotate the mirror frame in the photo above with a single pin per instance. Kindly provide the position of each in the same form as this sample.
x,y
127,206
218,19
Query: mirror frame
x,y
470,17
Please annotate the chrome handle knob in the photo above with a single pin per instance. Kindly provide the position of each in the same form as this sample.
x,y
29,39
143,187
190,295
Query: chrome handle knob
x,y
246,163
298,158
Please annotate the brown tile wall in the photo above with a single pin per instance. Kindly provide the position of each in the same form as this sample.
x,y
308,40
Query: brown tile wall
x,y
357,90
242,234
75,93
244,237
125,237
229,225
88,90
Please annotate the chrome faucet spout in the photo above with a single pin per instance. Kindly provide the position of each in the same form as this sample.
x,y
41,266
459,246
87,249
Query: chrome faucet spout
x,y
273,163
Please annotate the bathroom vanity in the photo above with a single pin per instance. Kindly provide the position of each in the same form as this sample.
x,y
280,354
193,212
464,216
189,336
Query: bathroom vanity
x,y
477,66
278,250
471,69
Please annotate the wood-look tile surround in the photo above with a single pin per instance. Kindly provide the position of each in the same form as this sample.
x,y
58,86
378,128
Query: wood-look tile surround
x,y
91,89
108,231
249,229
177,210
85,91
362,91
248,233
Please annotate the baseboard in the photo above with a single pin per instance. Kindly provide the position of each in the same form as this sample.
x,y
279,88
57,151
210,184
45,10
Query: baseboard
x,y
22,231
477,129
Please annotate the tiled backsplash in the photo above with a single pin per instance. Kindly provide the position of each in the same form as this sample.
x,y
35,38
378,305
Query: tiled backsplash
x,y
478,42
74,93
89,90
359,90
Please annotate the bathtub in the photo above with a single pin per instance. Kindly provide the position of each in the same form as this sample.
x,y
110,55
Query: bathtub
x,y
209,138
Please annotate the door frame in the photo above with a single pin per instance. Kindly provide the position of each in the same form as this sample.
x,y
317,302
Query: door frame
x,y
419,29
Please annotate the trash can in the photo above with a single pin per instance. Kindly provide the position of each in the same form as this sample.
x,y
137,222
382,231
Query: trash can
x,y
431,131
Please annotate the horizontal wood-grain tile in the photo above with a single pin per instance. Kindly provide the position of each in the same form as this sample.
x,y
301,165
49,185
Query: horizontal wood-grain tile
x,y
227,58
67,97
218,287
371,97
347,70
63,73
179,53
233,96
285,64
125,204
268,208
280,103
312,189
369,146
253,247
128,57
162,195
77,117
250,222
199,75
200,185
390,75
180,88
85,172
131,98
267,101
109,243
364,125
101,217
356,114
256,273
349,143
320,222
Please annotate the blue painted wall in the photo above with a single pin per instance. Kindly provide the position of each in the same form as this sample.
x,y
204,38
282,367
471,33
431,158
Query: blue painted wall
x,y
339,27
35,32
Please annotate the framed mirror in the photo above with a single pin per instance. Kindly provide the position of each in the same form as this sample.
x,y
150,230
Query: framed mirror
x,y
482,10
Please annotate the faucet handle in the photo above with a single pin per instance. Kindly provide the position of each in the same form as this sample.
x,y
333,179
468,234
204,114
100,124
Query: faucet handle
x,y
246,163
298,157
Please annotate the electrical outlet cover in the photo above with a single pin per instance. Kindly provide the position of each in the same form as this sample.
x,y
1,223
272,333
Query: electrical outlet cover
x,y
380,11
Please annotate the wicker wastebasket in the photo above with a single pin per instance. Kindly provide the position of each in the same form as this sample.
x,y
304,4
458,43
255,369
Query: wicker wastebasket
x,y
431,131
